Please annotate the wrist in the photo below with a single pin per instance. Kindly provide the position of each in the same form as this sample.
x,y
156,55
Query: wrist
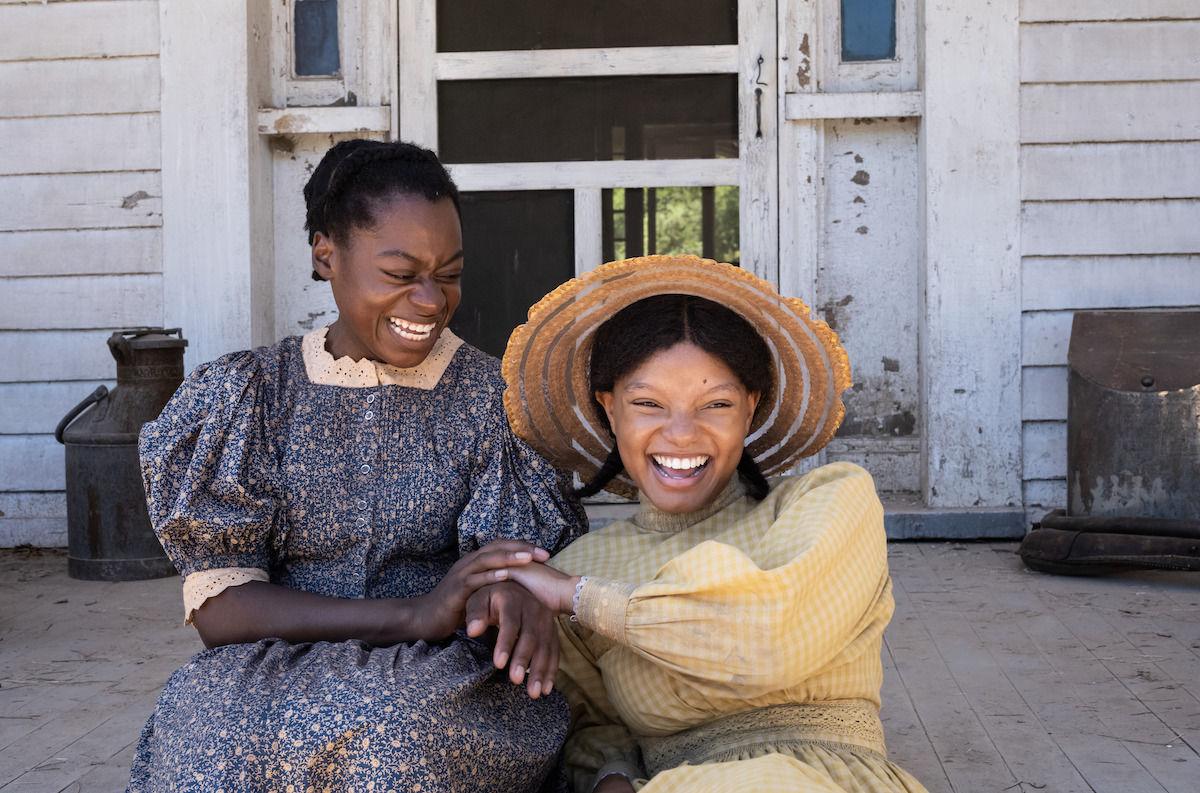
x,y
571,606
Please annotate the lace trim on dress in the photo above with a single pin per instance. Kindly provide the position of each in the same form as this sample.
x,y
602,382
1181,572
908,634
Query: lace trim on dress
x,y
651,518
323,369
845,722
204,584
603,606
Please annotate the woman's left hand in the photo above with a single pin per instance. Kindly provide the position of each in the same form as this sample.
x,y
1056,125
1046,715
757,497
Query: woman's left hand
x,y
527,639
556,590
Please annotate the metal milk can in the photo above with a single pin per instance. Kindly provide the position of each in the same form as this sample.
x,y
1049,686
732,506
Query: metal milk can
x,y
109,536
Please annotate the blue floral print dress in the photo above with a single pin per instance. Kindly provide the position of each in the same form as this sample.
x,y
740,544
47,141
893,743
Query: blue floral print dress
x,y
349,484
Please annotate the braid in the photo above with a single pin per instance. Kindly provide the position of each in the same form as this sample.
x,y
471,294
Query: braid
x,y
757,485
354,178
612,466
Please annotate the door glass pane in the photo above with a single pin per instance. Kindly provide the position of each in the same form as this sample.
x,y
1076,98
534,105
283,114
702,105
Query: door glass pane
x,y
588,118
517,246
671,220
868,30
476,25
316,38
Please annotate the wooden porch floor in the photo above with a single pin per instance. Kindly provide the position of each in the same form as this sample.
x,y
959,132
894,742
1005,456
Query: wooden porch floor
x,y
998,679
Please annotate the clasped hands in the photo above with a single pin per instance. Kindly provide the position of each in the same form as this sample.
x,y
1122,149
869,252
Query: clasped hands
x,y
504,584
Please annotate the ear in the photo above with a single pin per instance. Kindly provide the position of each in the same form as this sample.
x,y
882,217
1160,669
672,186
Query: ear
x,y
323,251
605,398
753,397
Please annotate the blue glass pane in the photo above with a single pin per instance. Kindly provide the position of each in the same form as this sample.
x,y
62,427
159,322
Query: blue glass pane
x,y
316,38
868,30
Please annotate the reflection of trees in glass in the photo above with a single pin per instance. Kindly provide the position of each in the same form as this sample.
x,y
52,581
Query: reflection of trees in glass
x,y
679,223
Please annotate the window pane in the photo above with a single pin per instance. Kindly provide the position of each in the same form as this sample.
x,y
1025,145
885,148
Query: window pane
x,y
588,118
868,30
474,25
671,220
316,37
517,246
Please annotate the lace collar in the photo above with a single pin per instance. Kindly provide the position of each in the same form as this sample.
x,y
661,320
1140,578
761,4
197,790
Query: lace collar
x,y
322,369
651,518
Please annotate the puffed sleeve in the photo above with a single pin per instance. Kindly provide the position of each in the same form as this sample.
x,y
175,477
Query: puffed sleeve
x,y
772,600
599,742
516,494
210,470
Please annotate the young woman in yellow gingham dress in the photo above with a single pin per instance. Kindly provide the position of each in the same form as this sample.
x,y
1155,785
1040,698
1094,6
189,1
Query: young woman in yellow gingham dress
x,y
728,637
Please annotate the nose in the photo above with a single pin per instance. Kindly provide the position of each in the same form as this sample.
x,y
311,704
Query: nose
x,y
427,297
680,428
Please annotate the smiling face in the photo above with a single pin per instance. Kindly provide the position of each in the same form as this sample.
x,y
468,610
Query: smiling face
x,y
397,284
681,420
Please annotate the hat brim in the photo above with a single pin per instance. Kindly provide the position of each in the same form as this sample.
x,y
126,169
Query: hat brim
x,y
549,399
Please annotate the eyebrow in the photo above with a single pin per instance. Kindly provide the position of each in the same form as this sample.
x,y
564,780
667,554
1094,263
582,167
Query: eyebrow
x,y
648,387
398,254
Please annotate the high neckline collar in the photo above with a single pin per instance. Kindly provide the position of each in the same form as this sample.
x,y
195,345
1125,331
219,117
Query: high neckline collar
x,y
651,518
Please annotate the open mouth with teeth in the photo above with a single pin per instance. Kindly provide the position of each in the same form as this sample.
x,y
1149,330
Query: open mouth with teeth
x,y
411,330
680,467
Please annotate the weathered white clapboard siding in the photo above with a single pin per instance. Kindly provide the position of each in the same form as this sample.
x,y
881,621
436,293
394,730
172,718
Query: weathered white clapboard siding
x,y
80,144
1066,172
31,463
108,29
35,356
33,518
81,252
1083,52
85,301
81,86
36,408
1100,112
80,201
1110,127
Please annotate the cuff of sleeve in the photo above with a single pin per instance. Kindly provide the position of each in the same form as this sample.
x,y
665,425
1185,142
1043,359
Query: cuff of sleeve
x,y
623,767
204,584
603,605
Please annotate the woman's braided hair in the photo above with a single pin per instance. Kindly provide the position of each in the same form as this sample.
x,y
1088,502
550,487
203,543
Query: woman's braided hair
x,y
638,331
355,176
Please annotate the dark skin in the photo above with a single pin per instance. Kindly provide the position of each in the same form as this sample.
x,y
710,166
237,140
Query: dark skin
x,y
396,284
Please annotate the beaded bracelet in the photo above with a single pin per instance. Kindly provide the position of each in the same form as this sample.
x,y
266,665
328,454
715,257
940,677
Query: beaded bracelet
x,y
575,598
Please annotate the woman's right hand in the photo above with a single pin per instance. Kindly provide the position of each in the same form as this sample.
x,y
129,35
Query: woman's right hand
x,y
443,609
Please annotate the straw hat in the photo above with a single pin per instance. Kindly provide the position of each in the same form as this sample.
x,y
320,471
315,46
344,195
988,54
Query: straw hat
x,y
550,403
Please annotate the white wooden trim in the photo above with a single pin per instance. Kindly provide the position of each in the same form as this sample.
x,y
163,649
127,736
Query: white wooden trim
x,y
878,104
306,120
1104,10
758,138
1094,52
589,243
417,28
971,331
600,62
578,175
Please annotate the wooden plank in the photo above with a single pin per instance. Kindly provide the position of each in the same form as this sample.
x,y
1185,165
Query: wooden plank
x,y
38,532
311,120
595,62
758,138
90,301
970,333
31,518
108,29
1043,495
1044,449
45,355
80,144
38,407
875,104
81,252
1044,393
1100,282
1105,10
589,243
1108,228
1045,336
1102,112
894,462
417,29
582,175
1063,172
1096,52
77,201
79,87
31,462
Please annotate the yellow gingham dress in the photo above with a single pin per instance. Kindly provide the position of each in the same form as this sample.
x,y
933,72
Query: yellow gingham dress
x,y
735,648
